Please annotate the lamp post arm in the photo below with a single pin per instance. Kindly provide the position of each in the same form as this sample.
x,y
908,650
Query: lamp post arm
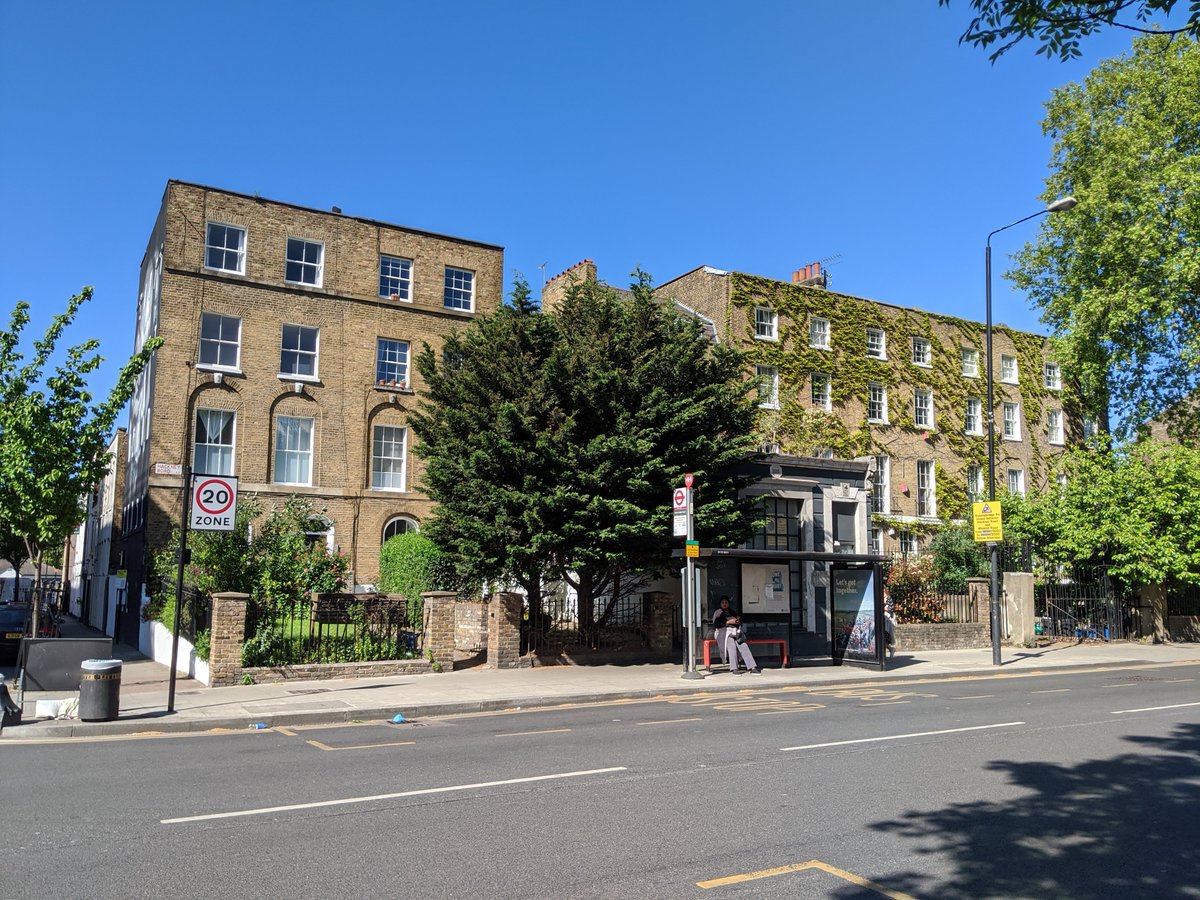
x,y
1040,212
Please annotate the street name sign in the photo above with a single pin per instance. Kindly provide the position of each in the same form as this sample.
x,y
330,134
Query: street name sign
x,y
989,523
214,502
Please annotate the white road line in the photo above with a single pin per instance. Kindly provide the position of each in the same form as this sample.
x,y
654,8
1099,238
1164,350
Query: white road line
x,y
420,793
1117,712
1054,691
900,737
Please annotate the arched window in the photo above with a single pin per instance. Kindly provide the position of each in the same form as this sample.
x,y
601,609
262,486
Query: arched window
x,y
399,525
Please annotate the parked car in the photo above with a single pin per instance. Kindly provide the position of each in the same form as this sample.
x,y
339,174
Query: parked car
x,y
14,625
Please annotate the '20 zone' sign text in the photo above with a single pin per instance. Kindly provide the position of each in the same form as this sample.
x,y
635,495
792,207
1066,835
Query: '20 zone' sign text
x,y
214,503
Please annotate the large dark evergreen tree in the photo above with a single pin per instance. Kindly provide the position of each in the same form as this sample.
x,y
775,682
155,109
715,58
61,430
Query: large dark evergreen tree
x,y
552,440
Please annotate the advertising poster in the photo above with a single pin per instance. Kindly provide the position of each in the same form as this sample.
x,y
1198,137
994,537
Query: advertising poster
x,y
856,629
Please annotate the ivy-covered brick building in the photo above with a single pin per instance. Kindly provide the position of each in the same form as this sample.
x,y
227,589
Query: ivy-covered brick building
x,y
846,377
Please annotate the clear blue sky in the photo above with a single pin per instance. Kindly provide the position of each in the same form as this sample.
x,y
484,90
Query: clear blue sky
x,y
760,137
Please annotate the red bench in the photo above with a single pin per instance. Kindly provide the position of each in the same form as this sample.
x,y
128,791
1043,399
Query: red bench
x,y
709,643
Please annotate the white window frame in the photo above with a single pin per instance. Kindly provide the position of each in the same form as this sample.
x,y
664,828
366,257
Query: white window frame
x,y
973,415
458,290
1015,482
1054,426
766,324
1052,376
822,398
1009,373
224,249
919,408
768,386
975,482
389,472
926,489
909,546
970,362
298,353
875,540
881,487
922,352
219,342
401,280
1012,421
306,265
1091,427
877,401
818,332
227,452
306,426
384,366
879,350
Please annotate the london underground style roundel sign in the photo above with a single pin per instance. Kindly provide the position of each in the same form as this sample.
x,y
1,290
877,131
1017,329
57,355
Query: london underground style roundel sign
x,y
214,502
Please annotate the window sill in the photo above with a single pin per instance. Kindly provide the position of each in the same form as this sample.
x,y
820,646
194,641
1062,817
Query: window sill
x,y
875,357
224,370
304,284
921,365
394,388
306,379
380,490
1010,382
1012,440
769,340
224,271
969,375
878,422
1057,443
818,346
395,298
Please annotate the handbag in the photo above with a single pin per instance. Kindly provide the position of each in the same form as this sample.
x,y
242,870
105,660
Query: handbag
x,y
739,635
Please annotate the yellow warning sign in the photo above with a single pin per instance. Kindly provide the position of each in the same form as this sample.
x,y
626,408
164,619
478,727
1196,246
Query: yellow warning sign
x,y
693,548
989,524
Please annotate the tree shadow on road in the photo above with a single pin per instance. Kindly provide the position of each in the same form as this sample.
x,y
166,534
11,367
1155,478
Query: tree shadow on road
x,y
1126,827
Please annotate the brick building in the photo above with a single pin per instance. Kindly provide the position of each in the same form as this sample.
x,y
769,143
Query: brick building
x,y
289,337
846,377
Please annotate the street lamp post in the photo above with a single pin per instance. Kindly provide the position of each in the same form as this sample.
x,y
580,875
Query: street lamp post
x,y
1057,206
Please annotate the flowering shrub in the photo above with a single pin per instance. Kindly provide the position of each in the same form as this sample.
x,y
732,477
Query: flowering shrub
x,y
910,584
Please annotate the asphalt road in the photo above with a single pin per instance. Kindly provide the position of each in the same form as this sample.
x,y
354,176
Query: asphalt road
x,y
1063,786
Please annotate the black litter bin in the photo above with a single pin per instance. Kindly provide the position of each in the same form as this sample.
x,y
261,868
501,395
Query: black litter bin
x,y
99,690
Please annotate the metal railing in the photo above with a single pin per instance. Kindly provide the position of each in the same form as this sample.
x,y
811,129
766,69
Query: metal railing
x,y
327,628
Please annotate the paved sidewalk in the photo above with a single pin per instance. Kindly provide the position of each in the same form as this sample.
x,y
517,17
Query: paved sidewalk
x,y
198,708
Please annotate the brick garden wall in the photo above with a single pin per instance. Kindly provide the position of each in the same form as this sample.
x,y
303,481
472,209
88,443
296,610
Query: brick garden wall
x,y
470,626
968,636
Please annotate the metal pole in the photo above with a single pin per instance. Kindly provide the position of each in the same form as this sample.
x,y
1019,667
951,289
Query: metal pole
x,y
991,430
689,597
183,532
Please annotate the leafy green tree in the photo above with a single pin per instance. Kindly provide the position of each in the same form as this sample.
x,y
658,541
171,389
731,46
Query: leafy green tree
x,y
956,557
1132,508
1059,24
53,437
1118,277
553,439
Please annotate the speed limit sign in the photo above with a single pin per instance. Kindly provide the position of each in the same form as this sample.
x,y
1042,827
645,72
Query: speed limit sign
x,y
214,502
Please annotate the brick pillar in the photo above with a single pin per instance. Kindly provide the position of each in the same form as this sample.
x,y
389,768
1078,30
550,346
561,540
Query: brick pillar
x,y
439,629
228,632
504,630
658,614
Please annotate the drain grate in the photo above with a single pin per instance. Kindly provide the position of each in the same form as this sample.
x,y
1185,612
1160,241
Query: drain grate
x,y
309,691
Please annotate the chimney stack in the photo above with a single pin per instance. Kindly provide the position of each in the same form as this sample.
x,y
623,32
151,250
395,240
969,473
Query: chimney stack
x,y
809,276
